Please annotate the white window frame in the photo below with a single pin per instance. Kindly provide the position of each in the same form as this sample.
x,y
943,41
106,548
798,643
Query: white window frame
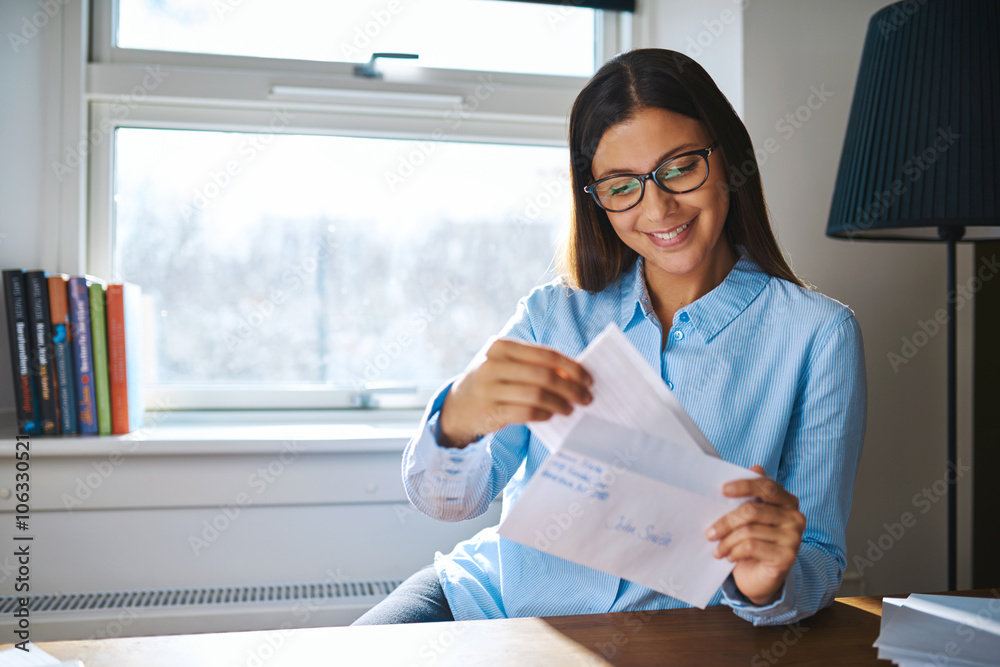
x,y
238,93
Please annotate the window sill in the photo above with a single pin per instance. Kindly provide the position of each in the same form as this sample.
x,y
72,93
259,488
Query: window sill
x,y
241,433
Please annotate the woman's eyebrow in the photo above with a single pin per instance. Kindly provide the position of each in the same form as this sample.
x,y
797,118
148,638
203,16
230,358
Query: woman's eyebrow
x,y
659,161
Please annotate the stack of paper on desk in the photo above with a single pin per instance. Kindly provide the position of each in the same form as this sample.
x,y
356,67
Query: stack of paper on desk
x,y
940,630
631,485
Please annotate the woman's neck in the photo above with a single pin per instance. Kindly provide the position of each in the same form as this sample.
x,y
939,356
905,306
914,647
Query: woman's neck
x,y
670,292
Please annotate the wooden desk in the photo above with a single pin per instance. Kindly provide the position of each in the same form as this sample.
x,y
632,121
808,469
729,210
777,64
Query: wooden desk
x,y
839,635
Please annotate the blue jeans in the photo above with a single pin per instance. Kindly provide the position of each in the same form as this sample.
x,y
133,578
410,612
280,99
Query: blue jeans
x,y
419,599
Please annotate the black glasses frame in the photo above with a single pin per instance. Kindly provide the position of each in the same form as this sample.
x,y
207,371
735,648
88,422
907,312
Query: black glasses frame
x,y
703,154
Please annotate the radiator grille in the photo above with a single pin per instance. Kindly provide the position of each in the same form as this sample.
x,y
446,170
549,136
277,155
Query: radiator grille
x,y
202,596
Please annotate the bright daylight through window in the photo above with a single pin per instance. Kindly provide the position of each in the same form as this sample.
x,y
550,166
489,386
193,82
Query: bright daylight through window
x,y
456,34
289,259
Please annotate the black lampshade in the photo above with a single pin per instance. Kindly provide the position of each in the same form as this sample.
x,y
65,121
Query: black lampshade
x,y
922,150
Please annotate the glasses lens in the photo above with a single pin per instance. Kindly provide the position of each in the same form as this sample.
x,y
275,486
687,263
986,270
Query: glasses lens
x,y
617,194
683,173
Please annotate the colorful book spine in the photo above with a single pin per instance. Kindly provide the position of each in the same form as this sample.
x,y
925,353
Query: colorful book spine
x,y
99,340
83,355
41,351
20,352
62,357
124,357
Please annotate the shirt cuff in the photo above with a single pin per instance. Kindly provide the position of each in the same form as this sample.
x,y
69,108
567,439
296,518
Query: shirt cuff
x,y
437,477
761,614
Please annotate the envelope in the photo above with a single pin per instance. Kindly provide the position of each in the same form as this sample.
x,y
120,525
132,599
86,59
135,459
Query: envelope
x,y
625,391
630,504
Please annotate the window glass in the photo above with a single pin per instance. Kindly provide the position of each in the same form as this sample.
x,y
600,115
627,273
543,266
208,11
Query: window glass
x,y
463,34
283,258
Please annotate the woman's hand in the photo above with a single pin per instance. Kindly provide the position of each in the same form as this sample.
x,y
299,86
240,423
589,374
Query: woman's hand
x,y
762,536
515,383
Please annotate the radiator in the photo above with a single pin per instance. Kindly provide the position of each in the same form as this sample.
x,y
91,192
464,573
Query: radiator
x,y
98,615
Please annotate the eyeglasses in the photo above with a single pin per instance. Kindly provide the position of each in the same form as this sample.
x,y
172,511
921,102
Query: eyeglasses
x,y
680,174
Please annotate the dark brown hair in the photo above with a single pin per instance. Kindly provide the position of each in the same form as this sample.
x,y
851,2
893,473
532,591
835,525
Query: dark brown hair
x,y
595,256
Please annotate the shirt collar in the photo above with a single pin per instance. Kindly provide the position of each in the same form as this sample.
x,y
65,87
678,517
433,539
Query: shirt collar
x,y
711,313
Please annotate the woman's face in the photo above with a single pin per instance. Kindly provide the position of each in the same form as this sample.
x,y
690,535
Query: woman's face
x,y
638,146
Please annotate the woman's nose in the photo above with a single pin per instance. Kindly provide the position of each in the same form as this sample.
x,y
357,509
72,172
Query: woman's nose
x,y
657,203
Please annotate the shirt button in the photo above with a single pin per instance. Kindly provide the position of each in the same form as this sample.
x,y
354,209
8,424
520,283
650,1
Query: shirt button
x,y
678,335
670,385
685,317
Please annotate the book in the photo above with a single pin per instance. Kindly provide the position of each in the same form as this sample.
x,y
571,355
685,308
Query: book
x,y
99,343
62,357
42,371
26,405
124,357
83,355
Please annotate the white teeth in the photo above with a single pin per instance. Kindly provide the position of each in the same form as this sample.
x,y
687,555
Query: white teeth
x,y
672,234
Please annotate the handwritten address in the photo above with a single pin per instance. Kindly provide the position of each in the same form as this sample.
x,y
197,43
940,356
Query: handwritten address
x,y
583,475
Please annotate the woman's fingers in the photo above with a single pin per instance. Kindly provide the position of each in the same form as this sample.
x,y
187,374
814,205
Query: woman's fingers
x,y
776,555
772,535
758,513
540,356
764,488
526,377
511,396
515,383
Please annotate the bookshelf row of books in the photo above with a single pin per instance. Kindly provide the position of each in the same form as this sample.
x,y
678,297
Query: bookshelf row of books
x,y
75,356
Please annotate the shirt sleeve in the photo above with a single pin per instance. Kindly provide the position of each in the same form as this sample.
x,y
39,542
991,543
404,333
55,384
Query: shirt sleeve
x,y
818,465
453,484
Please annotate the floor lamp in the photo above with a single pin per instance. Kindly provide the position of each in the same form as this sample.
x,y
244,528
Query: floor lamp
x,y
921,159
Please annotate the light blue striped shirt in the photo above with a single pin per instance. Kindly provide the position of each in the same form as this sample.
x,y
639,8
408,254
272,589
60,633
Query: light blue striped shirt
x,y
772,374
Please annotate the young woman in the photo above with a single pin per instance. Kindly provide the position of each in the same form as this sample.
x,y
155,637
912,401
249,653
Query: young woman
x,y
670,240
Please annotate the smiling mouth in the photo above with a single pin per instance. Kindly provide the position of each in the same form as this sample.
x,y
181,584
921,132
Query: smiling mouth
x,y
673,233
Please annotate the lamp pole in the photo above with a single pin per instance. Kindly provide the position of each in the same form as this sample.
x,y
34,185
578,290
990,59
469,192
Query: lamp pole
x,y
952,234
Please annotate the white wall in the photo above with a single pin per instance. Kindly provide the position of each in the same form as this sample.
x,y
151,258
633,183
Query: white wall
x,y
709,31
29,90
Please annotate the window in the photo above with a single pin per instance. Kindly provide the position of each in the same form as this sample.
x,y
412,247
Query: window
x,y
463,34
305,237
